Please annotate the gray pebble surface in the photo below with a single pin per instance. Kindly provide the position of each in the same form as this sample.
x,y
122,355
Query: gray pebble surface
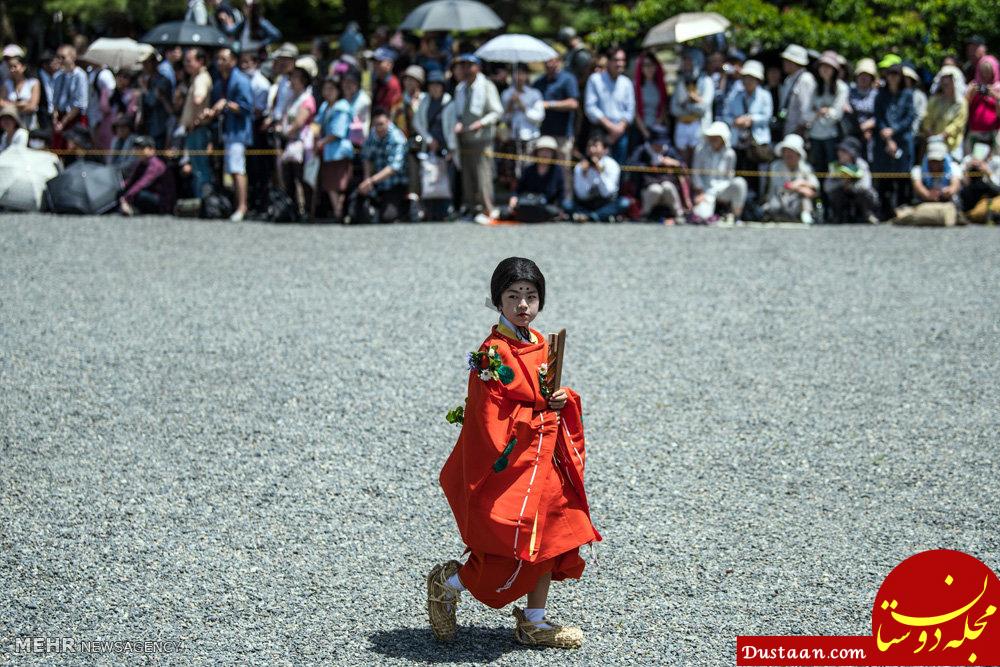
x,y
230,434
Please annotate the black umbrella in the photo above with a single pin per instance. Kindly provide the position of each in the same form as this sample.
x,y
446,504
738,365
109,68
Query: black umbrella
x,y
85,187
185,33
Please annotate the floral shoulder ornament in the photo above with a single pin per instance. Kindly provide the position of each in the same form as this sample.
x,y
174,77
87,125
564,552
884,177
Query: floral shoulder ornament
x,y
488,366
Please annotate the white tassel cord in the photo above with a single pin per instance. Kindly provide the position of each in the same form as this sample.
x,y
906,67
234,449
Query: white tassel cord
x,y
524,503
510,582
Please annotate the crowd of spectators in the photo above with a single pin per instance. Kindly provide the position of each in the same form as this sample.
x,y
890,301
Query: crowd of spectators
x,y
399,127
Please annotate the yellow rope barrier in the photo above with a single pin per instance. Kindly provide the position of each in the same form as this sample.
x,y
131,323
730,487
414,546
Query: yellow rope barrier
x,y
682,171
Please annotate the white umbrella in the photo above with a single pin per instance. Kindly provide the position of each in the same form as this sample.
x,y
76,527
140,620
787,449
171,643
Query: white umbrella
x,y
451,16
117,54
516,49
685,27
23,175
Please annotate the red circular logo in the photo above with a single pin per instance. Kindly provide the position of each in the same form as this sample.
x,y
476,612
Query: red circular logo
x,y
938,607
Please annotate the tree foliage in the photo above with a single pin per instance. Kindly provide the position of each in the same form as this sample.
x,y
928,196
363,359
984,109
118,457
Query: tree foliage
x,y
923,30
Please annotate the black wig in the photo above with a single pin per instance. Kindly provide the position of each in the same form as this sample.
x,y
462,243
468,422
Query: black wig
x,y
512,269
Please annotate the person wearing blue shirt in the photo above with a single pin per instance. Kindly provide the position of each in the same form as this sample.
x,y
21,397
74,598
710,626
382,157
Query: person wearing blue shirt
x,y
260,168
334,119
609,102
748,111
171,56
384,155
560,99
70,96
232,99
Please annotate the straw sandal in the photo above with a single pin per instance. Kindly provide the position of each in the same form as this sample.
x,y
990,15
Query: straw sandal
x,y
443,622
558,636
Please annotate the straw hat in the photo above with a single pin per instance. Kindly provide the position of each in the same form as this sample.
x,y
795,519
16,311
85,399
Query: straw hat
x,y
308,63
793,142
866,66
7,112
415,72
753,68
286,50
13,51
936,150
719,129
830,58
546,142
796,54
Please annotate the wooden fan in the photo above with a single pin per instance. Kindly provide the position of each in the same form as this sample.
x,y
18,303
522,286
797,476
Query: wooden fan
x,y
557,343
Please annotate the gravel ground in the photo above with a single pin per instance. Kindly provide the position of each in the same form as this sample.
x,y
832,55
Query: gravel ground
x,y
231,434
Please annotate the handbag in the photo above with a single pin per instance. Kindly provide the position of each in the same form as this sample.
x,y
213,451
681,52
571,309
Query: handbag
x,y
756,152
759,153
294,152
310,172
434,180
356,132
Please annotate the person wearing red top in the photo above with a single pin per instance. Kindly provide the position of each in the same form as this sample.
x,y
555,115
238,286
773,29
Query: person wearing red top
x,y
150,187
983,96
387,88
514,479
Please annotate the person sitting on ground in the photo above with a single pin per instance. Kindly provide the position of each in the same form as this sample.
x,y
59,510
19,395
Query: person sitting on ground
x,y
384,155
936,182
78,144
150,188
792,186
714,178
664,196
937,179
980,193
123,144
849,185
11,132
540,189
596,180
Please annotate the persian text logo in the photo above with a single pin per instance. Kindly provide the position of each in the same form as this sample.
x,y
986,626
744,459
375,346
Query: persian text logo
x,y
934,608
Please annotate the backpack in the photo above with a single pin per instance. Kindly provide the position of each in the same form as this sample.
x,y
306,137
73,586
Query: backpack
x,y
280,207
215,204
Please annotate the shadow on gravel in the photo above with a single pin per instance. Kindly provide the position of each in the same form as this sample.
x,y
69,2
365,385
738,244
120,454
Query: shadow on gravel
x,y
473,644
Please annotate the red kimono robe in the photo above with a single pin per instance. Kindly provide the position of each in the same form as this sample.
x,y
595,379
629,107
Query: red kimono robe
x,y
532,516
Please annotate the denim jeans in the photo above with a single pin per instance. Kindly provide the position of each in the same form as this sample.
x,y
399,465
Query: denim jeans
x,y
601,211
619,149
201,165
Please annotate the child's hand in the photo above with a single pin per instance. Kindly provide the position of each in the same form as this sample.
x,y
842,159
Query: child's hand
x,y
558,399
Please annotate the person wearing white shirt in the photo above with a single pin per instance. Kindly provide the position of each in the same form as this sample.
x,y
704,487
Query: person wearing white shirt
x,y
596,180
691,103
11,132
523,111
609,102
478,108
280,95
714,176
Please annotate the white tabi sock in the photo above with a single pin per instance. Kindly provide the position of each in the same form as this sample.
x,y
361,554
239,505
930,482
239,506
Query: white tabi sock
x,y
536,615
453,586
455,582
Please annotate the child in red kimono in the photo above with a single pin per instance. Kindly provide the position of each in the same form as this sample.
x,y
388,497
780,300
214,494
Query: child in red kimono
x,y
515,477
